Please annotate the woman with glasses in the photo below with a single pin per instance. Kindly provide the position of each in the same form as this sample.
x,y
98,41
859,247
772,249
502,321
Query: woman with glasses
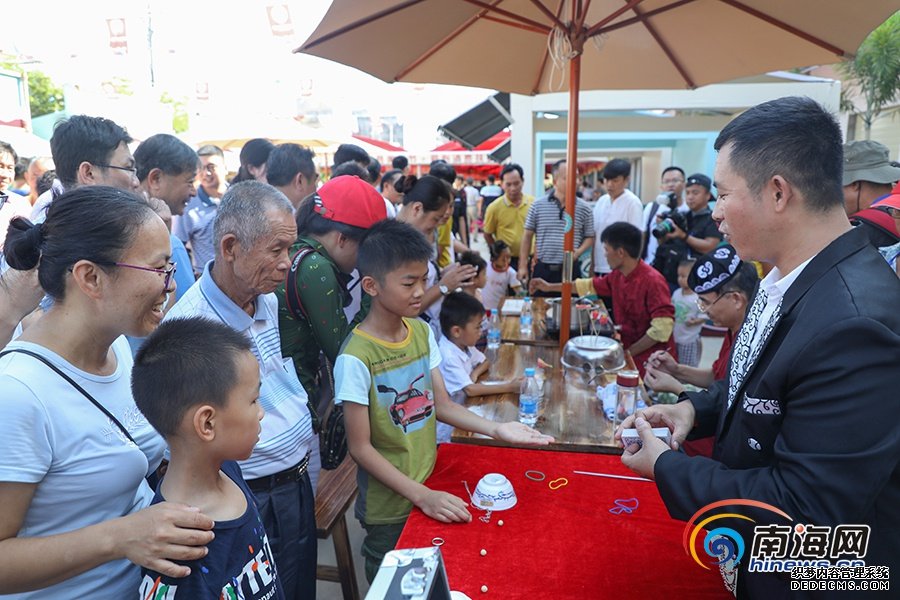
x,y
76,448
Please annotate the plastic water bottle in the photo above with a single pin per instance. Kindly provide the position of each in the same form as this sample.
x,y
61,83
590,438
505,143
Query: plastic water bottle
x,y
528,399
493,334
526,319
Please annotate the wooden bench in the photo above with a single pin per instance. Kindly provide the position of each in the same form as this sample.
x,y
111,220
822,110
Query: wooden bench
x,y
336,491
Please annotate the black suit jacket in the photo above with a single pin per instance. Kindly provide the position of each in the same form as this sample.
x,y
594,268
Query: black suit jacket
x,y
815,426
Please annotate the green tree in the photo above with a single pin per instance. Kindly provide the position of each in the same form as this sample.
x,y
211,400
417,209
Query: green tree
x,y
44,96
179,111
874,73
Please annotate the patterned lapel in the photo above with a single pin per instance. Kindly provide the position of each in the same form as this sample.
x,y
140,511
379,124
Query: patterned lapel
x,y
744,357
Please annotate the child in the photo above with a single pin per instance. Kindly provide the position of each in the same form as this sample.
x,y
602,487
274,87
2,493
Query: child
x,y
387,379
640,294
461,362
197,383
688,318
500,277
470,257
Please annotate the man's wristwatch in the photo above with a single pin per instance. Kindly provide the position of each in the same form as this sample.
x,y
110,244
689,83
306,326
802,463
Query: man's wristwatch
x,y
444,289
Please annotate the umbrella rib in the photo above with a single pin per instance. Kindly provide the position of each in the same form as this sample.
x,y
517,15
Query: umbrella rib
x,y
615,14
647,15
508,14
789,28
665,47
540,71
359,23
553,18
512,24
449,38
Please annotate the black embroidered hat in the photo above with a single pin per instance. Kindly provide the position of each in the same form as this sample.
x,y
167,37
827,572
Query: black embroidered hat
x,y
713,270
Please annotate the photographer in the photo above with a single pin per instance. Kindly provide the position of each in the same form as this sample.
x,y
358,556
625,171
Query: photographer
x,y
686,235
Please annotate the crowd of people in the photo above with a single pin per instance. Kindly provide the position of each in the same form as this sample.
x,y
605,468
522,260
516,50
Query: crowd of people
x,y
183,351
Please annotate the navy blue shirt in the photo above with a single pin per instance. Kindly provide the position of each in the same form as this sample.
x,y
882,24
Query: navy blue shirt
x,y
240,563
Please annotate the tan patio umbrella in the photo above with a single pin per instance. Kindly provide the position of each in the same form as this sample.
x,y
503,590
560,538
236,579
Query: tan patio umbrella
x,y
233,134
536,46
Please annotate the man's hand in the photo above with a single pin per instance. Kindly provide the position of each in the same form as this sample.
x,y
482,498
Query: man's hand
x,y
523,273
444,507
538,284
519,433
663,362
642,459
677,233
660,381
457,275
679,418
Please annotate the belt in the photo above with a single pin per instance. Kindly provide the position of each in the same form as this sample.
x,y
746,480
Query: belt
x,y
551,267
290,475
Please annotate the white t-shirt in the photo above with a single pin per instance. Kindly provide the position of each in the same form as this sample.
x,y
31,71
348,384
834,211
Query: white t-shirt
x,y
457,365
86,470
433,312
627,207
685,309
495,287
471,195
390,209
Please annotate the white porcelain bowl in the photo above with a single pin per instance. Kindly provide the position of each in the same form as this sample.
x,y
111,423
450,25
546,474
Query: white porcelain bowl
x,y
494,492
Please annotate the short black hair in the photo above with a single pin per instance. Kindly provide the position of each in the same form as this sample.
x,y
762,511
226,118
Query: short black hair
x,y
794,137
470,257
348,152
81,138
8,149
623,235
166,153
510,168
617,167
457,309
390,178
555,168
400,162
374,170
443,170
350,167
211,150
286,160
184,363
388,245
672,168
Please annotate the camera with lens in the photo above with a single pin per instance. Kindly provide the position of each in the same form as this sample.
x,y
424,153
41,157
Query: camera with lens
x,y
666,226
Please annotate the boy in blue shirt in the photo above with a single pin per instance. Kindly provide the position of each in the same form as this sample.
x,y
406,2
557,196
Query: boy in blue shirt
x,y
387,379
197,383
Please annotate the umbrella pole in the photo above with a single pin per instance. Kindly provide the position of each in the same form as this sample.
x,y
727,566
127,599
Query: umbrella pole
x,y
571,173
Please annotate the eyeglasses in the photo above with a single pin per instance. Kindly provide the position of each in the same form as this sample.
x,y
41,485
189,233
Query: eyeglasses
x,y
704,305
169,273
132,170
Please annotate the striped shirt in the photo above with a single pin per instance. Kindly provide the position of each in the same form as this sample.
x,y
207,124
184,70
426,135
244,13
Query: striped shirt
x,y
286,429
546,220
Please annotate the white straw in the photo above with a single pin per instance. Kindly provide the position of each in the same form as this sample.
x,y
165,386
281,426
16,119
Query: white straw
x,y
612,476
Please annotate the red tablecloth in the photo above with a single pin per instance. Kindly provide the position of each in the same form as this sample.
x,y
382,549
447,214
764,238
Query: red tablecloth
x,y
560,543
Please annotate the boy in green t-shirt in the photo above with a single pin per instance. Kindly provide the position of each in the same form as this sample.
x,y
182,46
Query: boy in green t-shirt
x,y
387,379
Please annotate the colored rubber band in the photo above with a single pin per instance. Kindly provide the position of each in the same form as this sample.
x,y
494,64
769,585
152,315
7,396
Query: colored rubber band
x,y
535,475
625,505
558,483
437,541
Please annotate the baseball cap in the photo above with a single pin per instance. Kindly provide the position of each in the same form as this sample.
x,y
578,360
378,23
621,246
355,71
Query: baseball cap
x,y
714,269
892,200
350,200
699,179
867,160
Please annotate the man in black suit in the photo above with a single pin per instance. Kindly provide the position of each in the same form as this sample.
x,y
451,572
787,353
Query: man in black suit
x,y
808,419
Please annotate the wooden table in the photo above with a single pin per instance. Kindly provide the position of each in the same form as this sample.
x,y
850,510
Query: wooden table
x,y
571,410
509,326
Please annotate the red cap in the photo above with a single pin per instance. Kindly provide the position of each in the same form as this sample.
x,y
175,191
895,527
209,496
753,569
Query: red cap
x,y
892,200
350,200
627,378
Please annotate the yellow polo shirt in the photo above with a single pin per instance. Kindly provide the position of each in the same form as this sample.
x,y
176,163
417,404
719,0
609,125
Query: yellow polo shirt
x,y
507,222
